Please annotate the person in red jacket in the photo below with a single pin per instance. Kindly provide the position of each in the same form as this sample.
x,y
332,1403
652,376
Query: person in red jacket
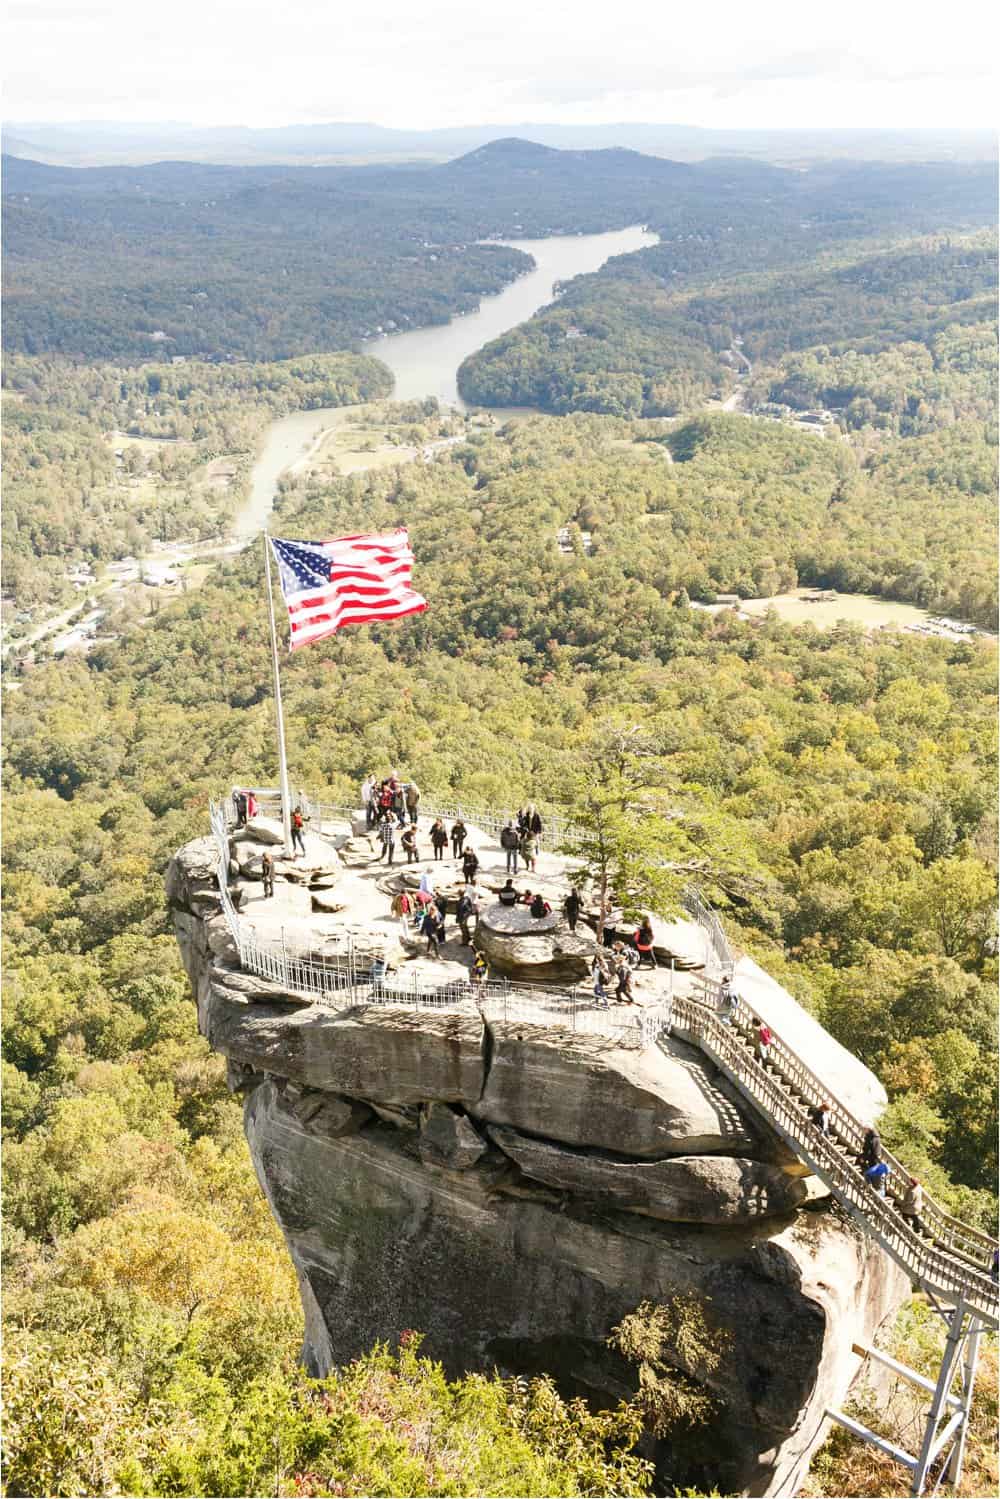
x,y
763,1040
298,838
643,940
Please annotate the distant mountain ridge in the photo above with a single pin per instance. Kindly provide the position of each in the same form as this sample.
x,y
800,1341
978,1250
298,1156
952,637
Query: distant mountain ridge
x,y
96,143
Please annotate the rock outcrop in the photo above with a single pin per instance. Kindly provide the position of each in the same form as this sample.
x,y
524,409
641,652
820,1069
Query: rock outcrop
x,y
583,1090
687,1189
513,1190
540,949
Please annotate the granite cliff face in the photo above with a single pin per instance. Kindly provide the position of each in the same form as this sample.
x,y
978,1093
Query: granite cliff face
x,y
514,1190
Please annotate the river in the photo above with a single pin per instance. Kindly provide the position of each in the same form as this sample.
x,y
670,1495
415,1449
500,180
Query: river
x,y
425,361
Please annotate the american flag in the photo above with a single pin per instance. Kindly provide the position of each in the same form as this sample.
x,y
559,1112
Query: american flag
x,y
352,580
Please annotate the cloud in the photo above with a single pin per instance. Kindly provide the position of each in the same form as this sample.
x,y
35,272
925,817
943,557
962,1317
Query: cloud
x,y
446,62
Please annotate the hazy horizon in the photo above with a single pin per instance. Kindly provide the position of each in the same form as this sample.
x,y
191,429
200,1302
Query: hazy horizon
x,y
240,61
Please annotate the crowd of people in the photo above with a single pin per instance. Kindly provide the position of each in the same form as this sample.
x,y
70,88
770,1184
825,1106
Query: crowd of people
x,y
423,913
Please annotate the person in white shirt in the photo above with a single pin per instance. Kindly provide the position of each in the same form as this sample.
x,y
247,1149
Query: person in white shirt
x,y
368,799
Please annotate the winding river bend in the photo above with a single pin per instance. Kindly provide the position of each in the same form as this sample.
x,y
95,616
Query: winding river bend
x,y
425,361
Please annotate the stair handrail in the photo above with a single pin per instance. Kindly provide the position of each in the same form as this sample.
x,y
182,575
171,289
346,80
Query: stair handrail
x,y
966,1240
726,1045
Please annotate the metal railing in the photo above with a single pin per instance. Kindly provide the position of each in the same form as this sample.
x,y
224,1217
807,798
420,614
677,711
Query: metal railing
x,y
342,978
960,1237
719,955
955,1264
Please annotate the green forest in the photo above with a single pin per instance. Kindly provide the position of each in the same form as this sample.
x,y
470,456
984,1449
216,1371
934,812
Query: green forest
x,y
68,499
901,340
838,787
267,263
844,783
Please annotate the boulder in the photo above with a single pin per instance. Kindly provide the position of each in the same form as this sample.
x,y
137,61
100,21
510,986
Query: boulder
x,y
395,1055
325,902
448,1138
685,1189
325,1113
262,830
357,852
191,871
585,1090
520,945
528,1281
400,1116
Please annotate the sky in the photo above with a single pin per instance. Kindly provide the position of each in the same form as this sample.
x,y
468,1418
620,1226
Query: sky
x,y
428,63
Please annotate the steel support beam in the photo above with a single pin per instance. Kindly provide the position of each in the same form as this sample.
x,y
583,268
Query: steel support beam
x,y
873,1439
931,1444
954,1469
904,1372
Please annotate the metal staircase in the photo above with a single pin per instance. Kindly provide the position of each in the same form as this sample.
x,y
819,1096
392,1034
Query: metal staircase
x,y
950,1261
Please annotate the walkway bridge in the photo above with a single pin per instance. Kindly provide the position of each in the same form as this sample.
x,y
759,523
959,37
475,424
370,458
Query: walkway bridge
x,y
951,1262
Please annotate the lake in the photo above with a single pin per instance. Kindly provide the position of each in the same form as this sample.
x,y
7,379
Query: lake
x,y
425,361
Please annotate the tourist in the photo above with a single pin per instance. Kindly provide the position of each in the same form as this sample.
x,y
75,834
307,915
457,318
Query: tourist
x,y
267,875
459,833
240,803
728,1003
912,1205
522,820
624,993
528,849
387,835
252,807
729,1000
386,797
643,939
527,898
540,907
479,971
599,974
762,1041
408,842
412,800
425,887
871,1149
820,1117
432,928
368,799
877,1177
623,954
298,839
470,866
995,1266
468,908
533,822
402,909
508,896
510,842
571,908
439,838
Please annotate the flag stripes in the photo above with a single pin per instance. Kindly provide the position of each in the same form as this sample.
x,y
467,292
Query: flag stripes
x,y
350,580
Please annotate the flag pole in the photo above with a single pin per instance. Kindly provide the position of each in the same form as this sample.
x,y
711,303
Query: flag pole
x,y
286,800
